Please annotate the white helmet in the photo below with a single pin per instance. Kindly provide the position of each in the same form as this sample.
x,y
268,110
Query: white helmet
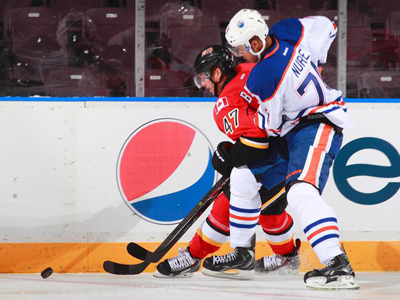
x,y
246,24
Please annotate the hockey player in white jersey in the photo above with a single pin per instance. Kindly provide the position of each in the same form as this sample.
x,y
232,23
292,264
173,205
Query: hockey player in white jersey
x,y
308,116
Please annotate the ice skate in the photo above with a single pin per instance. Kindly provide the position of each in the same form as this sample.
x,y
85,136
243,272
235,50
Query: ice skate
x,y
238,264
182,265
337,275
280,264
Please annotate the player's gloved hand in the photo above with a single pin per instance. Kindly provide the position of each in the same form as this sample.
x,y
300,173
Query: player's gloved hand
x,y
221,160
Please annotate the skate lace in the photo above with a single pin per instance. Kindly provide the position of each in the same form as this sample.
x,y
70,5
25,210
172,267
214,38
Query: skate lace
x,y
273,261
223,259
181,261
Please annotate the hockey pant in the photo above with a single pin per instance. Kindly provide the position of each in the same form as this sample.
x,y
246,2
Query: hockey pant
x,y
276,223
311,150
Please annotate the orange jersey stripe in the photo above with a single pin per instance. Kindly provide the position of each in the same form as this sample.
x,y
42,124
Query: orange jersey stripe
x,y
314,163
243,218
322,106
272,52
321,230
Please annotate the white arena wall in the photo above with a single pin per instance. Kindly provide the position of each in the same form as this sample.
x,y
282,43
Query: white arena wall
x,y
62,203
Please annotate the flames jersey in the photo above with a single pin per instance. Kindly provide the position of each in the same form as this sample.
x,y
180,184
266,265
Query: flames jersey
x,y
235,108
286,81
234,114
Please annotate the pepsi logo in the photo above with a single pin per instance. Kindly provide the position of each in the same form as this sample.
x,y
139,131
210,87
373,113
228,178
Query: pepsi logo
x,y
164,169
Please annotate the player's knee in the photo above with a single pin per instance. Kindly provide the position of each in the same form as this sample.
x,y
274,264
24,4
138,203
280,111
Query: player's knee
x,y
300,193
244,184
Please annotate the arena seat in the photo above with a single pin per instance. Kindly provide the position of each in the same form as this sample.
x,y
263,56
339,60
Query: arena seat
x,y
164,83
153,8
64,82
392,24
186,31
76,5
359,56
111,74
379,84
224,10
97,83
30,34
376,12
329,74
270,16
299,8
111,23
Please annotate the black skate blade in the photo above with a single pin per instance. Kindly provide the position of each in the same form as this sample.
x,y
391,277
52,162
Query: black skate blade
x,y
137,251
123,269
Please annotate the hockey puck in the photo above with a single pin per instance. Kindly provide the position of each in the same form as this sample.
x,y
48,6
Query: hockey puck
x,y
46,273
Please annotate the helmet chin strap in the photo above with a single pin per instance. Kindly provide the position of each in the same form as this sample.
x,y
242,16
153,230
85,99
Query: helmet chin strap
x,y
215,87
258,54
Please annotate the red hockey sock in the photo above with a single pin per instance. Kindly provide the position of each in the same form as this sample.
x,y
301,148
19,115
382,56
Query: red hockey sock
x,y
279,232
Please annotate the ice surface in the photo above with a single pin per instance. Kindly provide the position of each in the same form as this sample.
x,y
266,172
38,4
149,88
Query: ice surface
x,y
376,286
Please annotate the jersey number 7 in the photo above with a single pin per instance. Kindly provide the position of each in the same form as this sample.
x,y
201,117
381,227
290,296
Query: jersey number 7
x,y
312,78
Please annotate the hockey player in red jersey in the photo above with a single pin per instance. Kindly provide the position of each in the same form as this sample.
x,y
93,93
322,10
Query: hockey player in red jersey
x,y
234,115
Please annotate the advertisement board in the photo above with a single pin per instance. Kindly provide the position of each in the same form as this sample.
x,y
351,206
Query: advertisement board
x,y
83,179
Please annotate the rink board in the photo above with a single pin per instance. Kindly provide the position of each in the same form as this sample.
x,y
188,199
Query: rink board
x,y
61,201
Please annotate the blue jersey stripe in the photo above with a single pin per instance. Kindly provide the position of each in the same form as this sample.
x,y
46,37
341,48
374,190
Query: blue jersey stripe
x,y
332,109
319,222
324,238
243,225
263,120
244,210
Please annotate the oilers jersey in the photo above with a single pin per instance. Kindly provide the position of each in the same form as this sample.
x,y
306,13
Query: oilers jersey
x,y
287,82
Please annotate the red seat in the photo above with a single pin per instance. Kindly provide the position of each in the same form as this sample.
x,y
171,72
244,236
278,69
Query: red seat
x,y
31,35
270,16
375,11
359,55
153,8
329,74
7,4
392,23
164,83
64,82
110,23
111,75
224,10
379,84
186,31
81,5
99,83
300,8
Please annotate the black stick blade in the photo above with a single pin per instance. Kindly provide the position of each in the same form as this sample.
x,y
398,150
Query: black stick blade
x,y
122,269
137,251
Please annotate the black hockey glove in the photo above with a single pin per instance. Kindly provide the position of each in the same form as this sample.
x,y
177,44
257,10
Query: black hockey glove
x,y
221,160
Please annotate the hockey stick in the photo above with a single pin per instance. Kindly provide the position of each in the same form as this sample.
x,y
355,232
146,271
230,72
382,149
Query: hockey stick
x,y
167,244
122,269
141,253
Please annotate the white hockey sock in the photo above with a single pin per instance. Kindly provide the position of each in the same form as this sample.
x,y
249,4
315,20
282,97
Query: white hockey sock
x,y
318,220
243,218
245,207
